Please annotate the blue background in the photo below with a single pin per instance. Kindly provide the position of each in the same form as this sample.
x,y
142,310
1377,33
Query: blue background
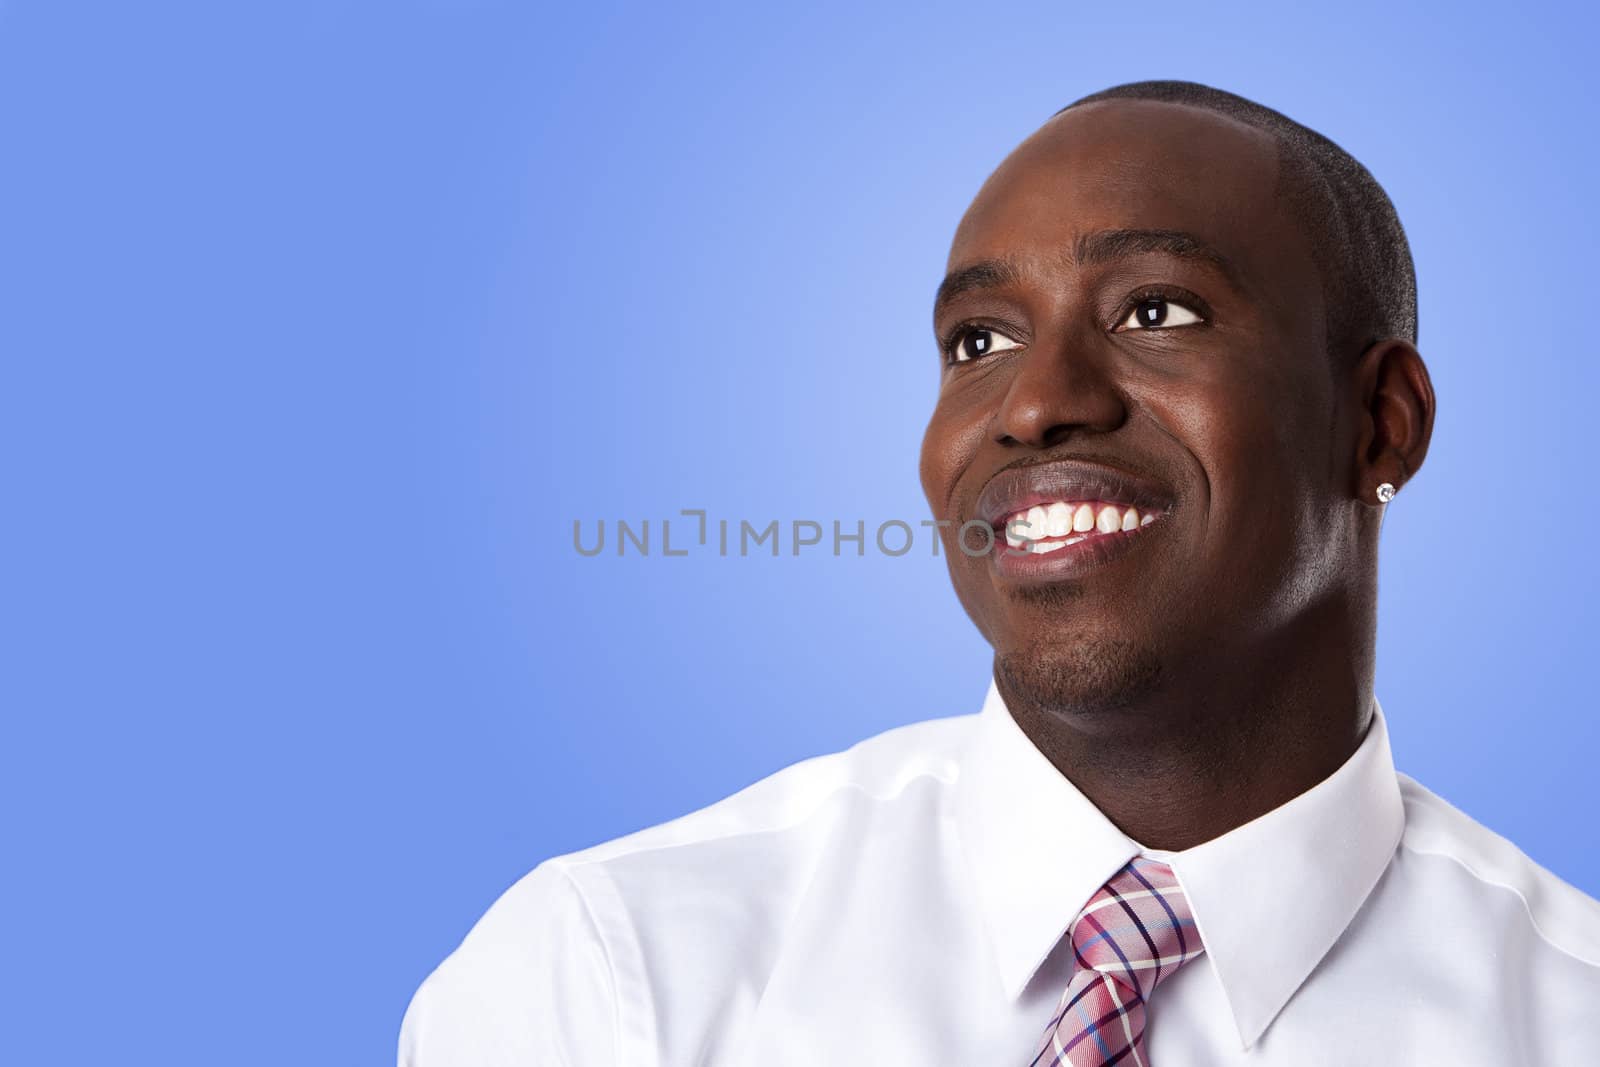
x,y
321,322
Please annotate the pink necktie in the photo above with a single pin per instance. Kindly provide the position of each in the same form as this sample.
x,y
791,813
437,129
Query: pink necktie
x,y
1135,932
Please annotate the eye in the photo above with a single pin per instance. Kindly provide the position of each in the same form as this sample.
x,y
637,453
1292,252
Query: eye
x,y
1157,312
971,342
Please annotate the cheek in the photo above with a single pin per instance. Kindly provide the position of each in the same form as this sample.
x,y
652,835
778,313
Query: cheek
x,y
1239,439
952,438
1262,446
1251,418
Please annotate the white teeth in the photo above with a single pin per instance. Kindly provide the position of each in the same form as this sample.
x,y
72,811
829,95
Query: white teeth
x,y
1036,521
1048,527
1041,547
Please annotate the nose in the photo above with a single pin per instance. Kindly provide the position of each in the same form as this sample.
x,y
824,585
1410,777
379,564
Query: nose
x,y
1056,390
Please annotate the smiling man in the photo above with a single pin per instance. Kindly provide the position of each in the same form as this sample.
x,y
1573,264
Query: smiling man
x,y
1180,384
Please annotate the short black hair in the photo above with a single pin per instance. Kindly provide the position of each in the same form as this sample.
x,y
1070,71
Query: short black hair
x,y
1369,282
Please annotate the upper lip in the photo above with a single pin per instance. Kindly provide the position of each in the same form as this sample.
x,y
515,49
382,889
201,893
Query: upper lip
x,y
1022,485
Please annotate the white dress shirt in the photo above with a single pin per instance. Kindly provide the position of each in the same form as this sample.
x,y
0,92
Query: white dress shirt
x,y
905,901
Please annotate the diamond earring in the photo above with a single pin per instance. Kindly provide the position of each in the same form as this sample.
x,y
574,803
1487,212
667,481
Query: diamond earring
x,y
1385,493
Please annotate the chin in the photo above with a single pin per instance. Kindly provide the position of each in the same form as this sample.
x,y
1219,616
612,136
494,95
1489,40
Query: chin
x,y
1082,677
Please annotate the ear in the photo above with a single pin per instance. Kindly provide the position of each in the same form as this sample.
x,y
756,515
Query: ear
x,y
1396,407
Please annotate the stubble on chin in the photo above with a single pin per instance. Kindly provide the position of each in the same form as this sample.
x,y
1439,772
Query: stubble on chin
x,y
1075,673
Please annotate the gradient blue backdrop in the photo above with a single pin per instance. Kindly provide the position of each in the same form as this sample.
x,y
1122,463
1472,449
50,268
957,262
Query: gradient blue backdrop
x,y
321,321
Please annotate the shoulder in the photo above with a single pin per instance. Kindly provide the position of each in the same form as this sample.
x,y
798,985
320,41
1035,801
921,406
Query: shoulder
x,y
715,888
569,958
530,983
1485,867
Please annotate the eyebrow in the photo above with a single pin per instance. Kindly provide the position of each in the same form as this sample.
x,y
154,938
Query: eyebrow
x,y
1091,249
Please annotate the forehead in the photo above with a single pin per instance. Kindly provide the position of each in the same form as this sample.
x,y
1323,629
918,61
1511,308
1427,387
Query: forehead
x,y
1138,164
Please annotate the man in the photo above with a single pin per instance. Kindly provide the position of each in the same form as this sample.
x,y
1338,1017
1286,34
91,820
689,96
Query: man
x,y
1180,385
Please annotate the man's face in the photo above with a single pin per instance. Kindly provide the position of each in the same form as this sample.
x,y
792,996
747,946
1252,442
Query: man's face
x,y
1140,326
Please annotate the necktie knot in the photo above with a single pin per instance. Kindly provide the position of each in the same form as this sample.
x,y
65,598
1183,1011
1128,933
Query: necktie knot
x,y
1137,930
1134,933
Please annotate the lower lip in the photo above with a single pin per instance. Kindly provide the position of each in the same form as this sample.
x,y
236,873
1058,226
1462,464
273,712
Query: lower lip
x,y
1068,561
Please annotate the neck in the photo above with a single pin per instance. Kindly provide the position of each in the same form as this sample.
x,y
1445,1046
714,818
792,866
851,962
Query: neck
x,y
1223,742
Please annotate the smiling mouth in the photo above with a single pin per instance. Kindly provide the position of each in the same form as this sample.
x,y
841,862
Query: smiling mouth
x,y
1059,519
1053,525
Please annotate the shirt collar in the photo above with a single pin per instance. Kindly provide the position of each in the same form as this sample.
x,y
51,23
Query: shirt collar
x,y
1270,897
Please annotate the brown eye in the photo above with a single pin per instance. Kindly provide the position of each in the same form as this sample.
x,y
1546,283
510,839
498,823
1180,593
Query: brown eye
x,y
1156,313
977,341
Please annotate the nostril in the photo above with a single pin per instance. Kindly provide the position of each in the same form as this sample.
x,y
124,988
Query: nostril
x,y
1054,393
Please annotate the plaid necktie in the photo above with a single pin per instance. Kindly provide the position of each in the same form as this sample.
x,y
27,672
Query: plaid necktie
x,y
1136,931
